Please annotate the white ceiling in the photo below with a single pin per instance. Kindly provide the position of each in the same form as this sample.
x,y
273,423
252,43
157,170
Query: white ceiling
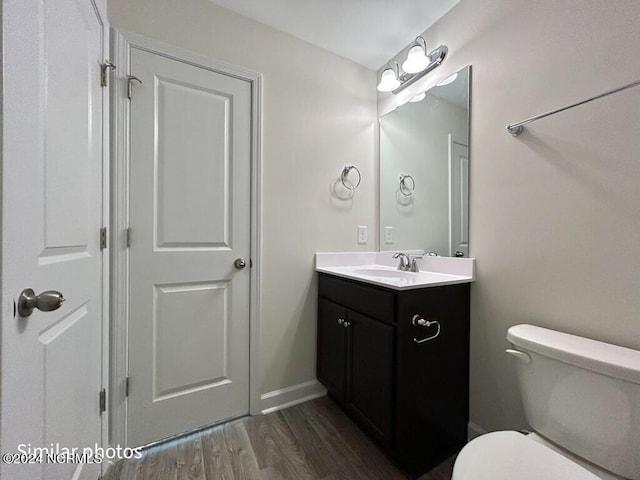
x,y
369,32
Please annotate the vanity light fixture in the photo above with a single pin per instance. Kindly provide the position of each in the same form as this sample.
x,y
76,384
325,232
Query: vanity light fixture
x,y
448,80
389,79
417,59
417,65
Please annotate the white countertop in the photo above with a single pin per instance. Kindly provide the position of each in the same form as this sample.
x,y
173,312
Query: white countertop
x,y
379,268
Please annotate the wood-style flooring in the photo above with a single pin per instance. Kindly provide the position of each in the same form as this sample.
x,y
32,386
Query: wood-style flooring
x,y
312,440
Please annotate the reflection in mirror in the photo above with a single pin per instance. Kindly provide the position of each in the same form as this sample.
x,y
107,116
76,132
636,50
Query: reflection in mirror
x,y
424,171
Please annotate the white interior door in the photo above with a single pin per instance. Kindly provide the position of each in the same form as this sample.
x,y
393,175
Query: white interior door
x,y
459,197
52,164
190,220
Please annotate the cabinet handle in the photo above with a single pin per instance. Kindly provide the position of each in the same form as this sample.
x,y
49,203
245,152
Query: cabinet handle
x,y
340,321
346,324
418,321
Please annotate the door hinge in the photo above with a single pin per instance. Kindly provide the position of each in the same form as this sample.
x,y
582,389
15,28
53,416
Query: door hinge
x,y
126,387
127,237
104,76
103,400
103,238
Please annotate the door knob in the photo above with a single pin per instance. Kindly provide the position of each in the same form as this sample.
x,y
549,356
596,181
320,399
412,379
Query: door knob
x,y
45,302
240,263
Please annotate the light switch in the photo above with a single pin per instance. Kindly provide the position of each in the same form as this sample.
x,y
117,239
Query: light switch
x,y
362,234
388,234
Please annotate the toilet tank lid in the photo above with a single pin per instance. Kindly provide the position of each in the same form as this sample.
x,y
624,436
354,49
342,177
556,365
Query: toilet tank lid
x,y
611,360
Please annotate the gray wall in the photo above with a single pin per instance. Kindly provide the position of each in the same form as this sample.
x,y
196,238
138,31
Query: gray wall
x,y
312,127
555,213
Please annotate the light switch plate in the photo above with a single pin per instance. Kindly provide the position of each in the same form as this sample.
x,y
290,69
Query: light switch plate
x,y
362,235
388,234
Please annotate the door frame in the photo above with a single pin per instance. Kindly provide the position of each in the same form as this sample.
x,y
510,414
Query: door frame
x,y
121,44
101,9
452,140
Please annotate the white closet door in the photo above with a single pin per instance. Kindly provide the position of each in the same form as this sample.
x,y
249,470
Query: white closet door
x,y
190,222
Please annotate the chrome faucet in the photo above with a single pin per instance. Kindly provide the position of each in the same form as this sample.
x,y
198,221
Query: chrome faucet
x,y
407,262
404,261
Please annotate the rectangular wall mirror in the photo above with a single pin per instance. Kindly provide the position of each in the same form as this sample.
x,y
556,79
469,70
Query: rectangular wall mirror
x,y
424,171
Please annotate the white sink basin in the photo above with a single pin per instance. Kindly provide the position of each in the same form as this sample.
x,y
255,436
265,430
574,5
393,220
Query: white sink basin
x,y
383,272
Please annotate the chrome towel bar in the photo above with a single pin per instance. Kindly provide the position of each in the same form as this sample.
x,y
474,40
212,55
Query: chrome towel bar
x,y
516,129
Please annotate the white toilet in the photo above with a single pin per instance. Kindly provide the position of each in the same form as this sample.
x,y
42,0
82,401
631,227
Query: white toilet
x,y
582,399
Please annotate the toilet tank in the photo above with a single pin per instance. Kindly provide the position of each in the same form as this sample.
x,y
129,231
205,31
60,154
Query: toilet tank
x,y
582,394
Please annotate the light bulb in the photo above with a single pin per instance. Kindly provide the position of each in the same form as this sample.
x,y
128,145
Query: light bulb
x,y
447,80
418,97
416,61
388,80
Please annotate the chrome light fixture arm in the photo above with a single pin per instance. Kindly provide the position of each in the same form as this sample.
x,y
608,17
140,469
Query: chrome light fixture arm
x,y
436,57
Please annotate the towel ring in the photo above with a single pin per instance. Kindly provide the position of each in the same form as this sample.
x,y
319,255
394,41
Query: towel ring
x,y
345,174
404,189
418,321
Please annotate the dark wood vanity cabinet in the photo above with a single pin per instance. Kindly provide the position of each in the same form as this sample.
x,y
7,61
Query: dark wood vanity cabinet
x,y
411,397
355,378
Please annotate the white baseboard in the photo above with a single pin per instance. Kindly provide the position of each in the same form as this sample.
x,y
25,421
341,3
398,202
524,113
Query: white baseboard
x,y
474,431
287,397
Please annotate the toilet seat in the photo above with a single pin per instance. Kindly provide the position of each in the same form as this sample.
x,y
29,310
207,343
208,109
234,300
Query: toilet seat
x,y
510,455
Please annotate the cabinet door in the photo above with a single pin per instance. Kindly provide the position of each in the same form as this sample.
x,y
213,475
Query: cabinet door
x,y
432,376
370,381
332,347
